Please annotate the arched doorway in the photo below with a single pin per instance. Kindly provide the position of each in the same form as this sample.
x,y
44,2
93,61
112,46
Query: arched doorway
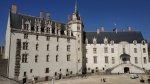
x,y
126,69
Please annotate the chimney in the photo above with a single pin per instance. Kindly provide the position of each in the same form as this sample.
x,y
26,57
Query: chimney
x,y
129,28
69,19
47,16
14,8
41,14
98,30
102,29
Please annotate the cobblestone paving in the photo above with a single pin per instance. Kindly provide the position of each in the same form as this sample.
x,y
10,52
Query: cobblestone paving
x,y
96,79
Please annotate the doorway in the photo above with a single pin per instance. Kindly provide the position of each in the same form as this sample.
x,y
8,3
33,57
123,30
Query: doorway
x,y
126,69
24,80
46,78
60,76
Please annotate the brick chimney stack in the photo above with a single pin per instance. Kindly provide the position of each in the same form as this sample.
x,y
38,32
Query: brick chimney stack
x,y
47,16
129,28
14,8
41,14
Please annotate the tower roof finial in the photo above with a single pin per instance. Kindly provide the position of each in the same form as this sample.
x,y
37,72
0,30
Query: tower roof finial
x,y
76,10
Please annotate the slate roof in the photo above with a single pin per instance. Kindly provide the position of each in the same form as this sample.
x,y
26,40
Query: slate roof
x,y
16,21
128,36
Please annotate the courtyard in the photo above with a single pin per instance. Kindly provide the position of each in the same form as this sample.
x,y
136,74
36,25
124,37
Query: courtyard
x,y
96,79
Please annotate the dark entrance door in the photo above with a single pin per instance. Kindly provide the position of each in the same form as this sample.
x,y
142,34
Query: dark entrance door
x,y
126,69
59,76
24,80
46,78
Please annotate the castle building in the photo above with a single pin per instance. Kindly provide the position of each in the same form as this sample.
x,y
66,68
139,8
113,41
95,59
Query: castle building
x,y
44,48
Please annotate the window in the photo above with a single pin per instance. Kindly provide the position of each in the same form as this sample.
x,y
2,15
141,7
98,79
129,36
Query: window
x,y
136,61
57,39
47,70
25,45
36,58
95,59
37,45
79,41
47,38
37,28
112,50
68,40
134,42
68,57
47,30
113,60
145,60
78,49
24,58
111,42
123,50
105,50
106,59
67,70
78,27
55,73
26,26
25,36
144,50
86,51
68,47
47,58
94,50
37,37
57,47
25,74
135,50
47,47
31,70
56,58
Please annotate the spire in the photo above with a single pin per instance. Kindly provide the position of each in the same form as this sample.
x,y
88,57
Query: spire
x,y
69,19
76,10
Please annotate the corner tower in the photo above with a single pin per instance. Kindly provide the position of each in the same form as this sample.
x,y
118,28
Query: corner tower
x,y
77,26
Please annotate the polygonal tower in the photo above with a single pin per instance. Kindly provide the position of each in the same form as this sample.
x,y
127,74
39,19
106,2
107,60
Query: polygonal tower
x,y
77,26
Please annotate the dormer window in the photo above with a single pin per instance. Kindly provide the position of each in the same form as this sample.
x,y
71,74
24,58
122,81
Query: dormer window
x,y
105,41
112,42
143,42
134,42
94,41
26,25
47,30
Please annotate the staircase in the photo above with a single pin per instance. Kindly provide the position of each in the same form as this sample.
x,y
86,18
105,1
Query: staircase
x,y
108,71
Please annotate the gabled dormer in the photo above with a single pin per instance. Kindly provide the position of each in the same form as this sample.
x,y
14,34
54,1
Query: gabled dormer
x,y
134,42
37,25
105,41
112,42
26,25
94,41
143,42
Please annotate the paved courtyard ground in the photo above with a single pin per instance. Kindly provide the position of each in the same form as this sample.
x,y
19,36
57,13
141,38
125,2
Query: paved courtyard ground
x,y
96,79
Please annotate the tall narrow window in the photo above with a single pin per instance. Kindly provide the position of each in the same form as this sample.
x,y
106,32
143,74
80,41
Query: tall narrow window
x,y
25,36
136,61
105,50
57,39
56,58
145,60
112,50
94,50
37,45
25,74
95,59
31,70
47,70
47,30
106,59
113,60
68,57
68,40
123,50
25,45
135,50
68,47
47,38
144,50
24,58
57,47
36,58
37,37
47,58
47,47
86,60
